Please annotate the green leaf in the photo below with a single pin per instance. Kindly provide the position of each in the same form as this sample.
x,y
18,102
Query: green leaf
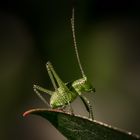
x,y
80,128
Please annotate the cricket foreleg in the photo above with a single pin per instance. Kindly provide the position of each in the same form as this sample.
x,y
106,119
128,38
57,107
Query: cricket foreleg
x,y
37,90
87,105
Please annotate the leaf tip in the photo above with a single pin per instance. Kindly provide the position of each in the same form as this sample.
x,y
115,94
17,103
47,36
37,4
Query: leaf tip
x,y
27,113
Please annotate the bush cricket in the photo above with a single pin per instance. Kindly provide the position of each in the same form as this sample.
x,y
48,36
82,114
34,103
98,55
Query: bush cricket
x,y
65,93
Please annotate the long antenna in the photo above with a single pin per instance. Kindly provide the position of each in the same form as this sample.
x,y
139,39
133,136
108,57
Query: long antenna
x,y
75,43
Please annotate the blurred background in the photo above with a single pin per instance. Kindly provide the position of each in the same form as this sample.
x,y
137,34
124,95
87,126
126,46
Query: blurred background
x,y
35,31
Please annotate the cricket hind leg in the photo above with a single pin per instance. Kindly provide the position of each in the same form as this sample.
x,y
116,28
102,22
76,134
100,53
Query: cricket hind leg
x,y
88,106
56,80
53,75
38,89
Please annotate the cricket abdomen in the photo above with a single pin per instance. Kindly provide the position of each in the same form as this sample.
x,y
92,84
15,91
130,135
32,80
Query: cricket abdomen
x,y
62,98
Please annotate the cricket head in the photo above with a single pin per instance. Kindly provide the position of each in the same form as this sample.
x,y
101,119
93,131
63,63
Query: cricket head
x,y
82,85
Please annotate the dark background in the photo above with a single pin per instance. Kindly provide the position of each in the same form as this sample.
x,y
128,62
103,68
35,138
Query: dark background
x,y
35,31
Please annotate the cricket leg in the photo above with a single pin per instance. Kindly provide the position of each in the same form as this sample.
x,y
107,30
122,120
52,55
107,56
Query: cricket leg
x,y
51,75
54,77
60,83
88,106
37,90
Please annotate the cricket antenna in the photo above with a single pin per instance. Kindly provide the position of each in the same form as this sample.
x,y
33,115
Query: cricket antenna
x,y
75,43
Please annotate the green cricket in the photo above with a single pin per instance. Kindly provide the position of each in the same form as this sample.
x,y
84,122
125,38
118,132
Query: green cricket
x,y
65,93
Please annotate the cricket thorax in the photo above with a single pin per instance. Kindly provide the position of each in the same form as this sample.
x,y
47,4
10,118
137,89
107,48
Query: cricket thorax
x,y
82,85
